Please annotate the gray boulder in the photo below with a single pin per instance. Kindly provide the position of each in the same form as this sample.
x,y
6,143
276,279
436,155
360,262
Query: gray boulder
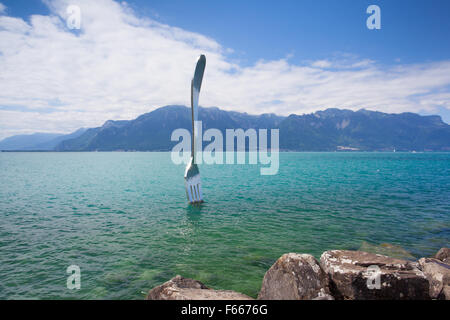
x,y
445,293
438,274
179,288
295,277
366,276
443,255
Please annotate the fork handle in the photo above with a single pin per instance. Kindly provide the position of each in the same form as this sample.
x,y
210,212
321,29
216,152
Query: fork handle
x,y
196,84
194,111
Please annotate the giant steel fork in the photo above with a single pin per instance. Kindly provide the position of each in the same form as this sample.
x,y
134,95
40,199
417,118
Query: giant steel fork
x,y
192,174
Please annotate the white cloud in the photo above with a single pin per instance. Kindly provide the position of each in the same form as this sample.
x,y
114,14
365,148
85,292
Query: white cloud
x,y
119,66
2,8
321,64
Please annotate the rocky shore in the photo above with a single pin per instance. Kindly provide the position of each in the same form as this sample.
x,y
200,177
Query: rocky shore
x,y
339,275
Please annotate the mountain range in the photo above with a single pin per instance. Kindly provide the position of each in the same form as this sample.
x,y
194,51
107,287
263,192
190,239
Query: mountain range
x,y
37,141
328,130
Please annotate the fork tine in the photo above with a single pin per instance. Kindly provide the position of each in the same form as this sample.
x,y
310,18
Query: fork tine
x,y
197,196
194,191
188,192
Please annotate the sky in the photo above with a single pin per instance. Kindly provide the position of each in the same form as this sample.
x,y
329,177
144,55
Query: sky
x,y
280,57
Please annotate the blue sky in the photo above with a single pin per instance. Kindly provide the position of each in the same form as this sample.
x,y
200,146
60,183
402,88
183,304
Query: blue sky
x,y
292,44
412,30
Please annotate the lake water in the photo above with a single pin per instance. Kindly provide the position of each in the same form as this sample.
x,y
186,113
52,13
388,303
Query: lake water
x,y
124,220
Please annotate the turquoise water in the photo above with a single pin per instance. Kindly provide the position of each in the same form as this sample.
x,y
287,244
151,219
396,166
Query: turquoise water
x,y
123,217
